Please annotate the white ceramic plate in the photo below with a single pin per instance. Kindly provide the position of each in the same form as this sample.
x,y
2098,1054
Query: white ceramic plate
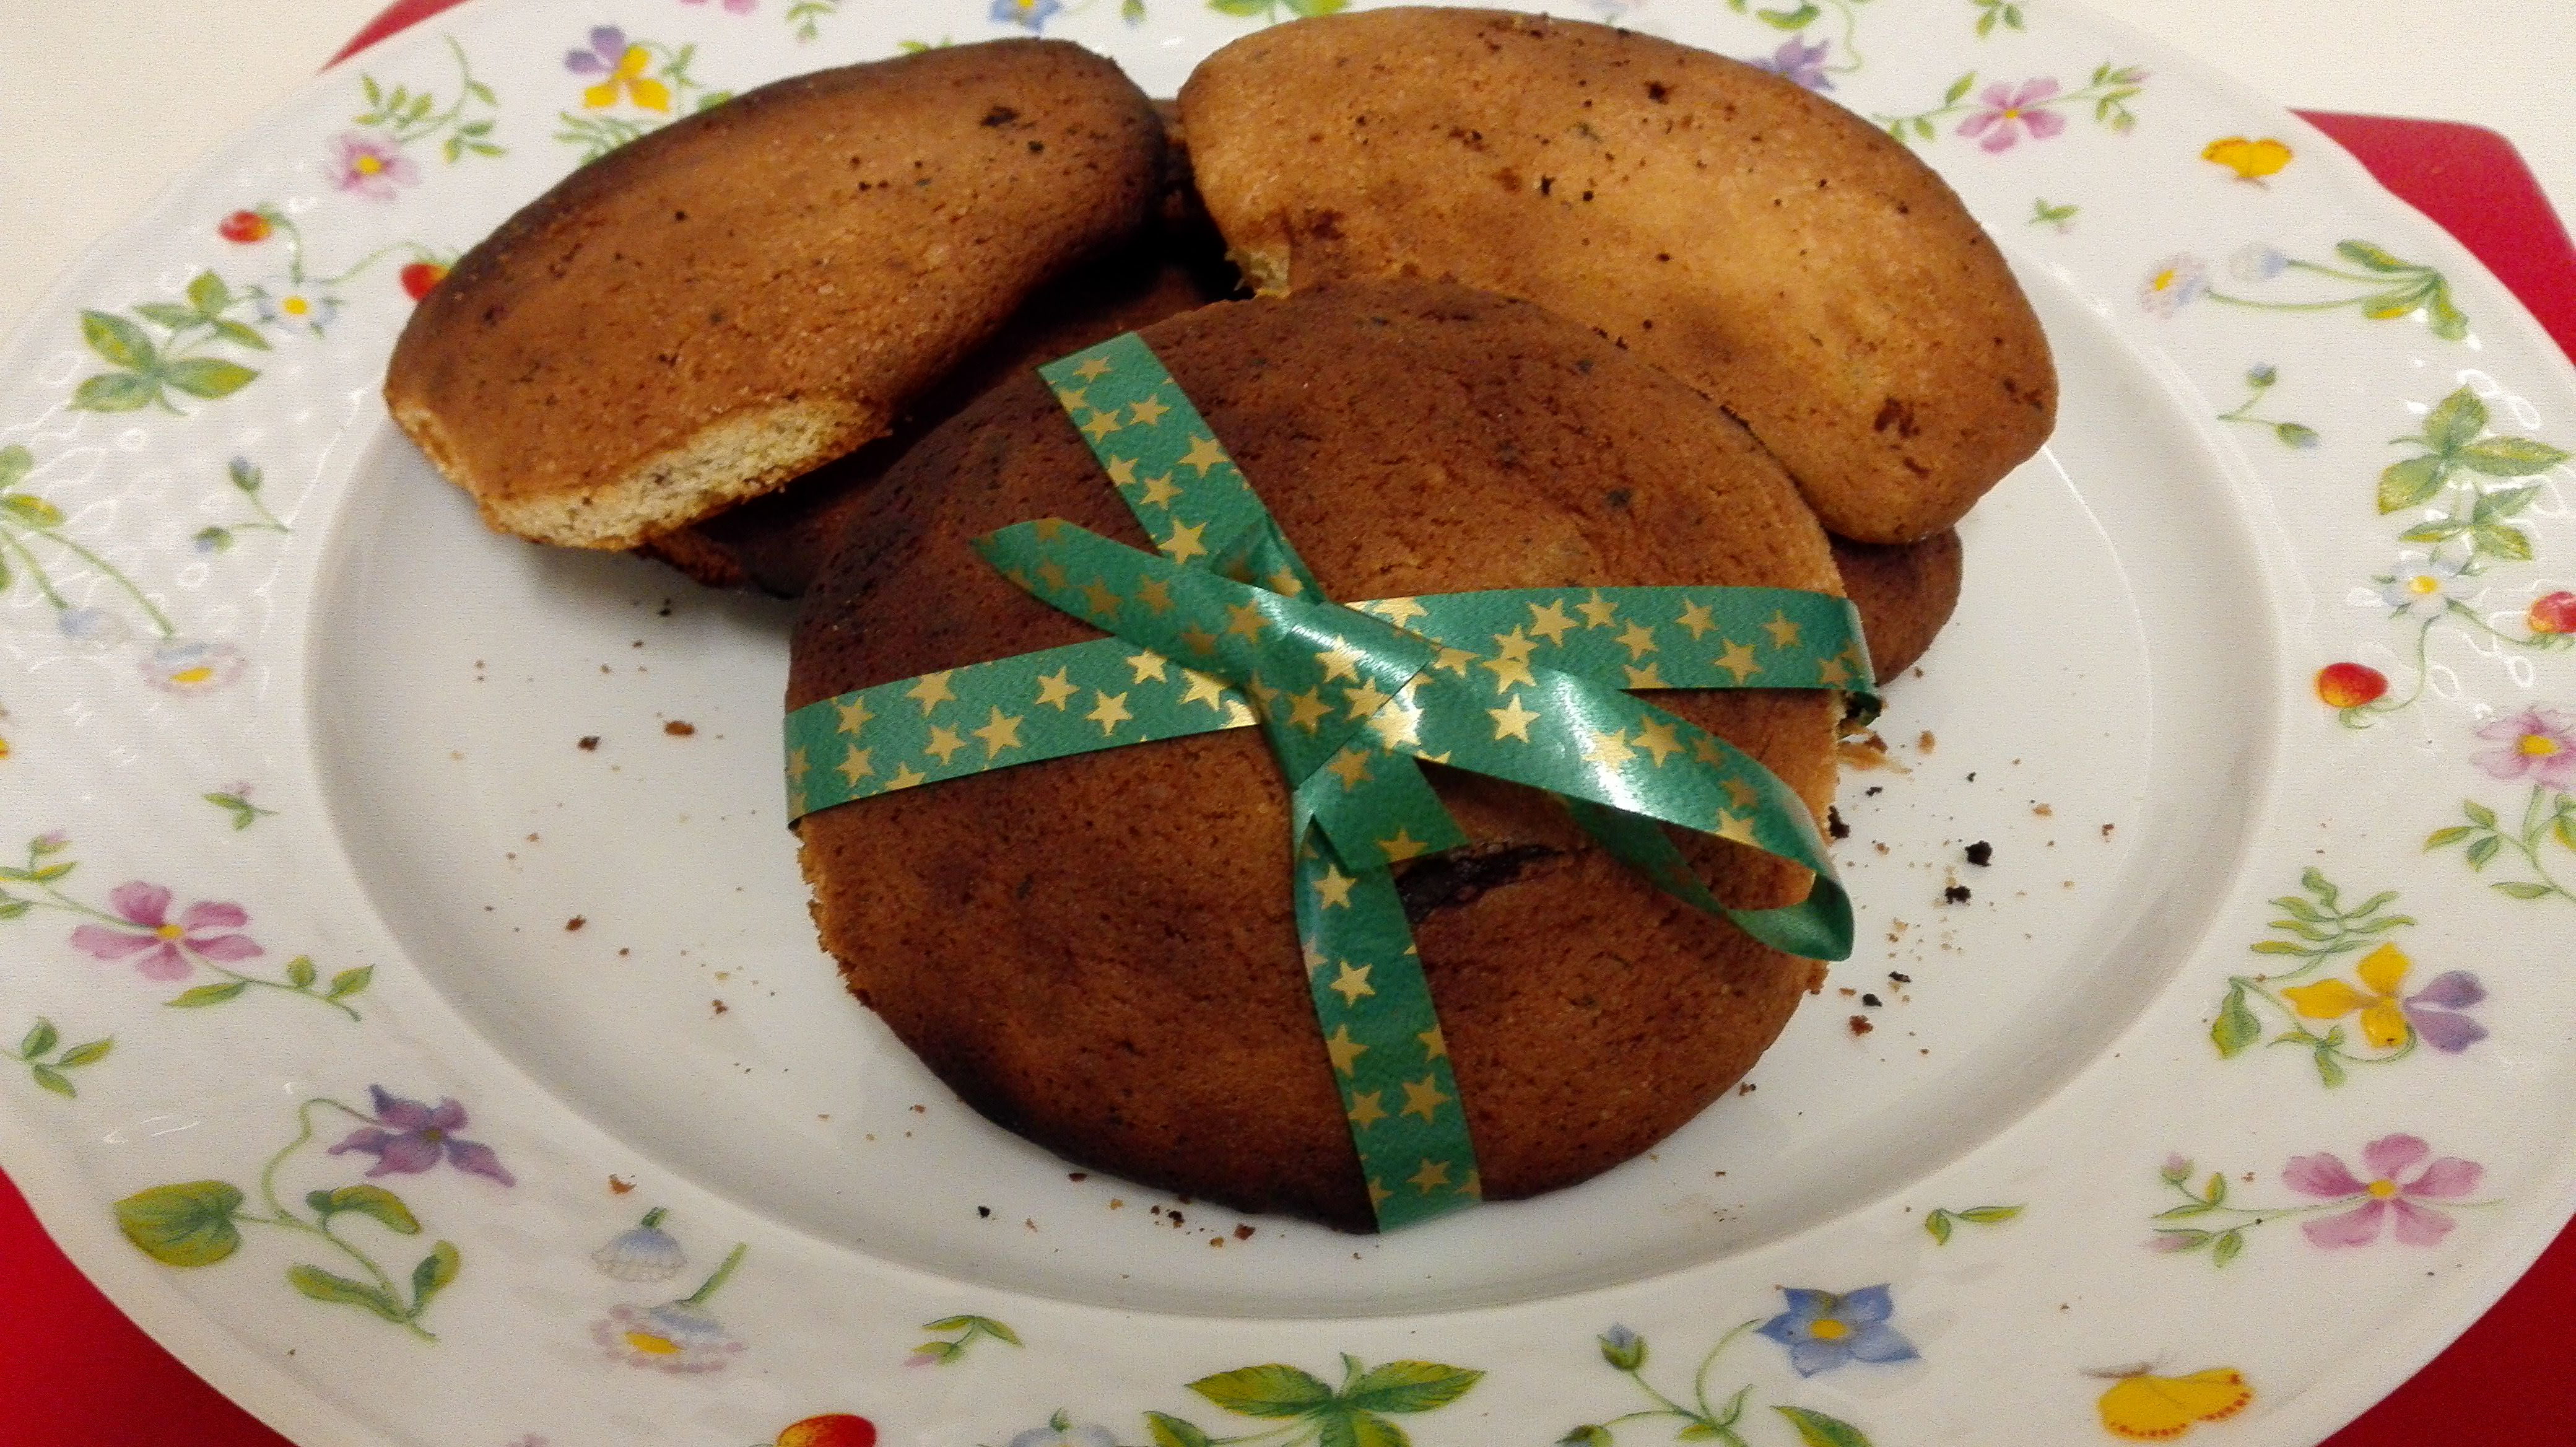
x,y
316,841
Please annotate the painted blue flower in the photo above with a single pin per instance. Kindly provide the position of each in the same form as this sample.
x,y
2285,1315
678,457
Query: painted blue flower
x,y
1029,14
1823,1330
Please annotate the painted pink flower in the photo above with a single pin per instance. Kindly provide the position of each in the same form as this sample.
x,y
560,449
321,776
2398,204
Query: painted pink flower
x,y
2539,744
370,166
159,946
2384,1195
421,1136
2009,110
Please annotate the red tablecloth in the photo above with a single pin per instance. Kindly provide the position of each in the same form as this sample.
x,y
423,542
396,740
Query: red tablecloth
x,y
78,1374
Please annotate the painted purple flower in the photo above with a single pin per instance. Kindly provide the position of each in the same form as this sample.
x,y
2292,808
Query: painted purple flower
x,y
2429,1011
420,1135
1823,1330
2009,110
1031,14
93,629
370,165
1798,61
607,48
2175,282
2539,744
2383,1194
160,947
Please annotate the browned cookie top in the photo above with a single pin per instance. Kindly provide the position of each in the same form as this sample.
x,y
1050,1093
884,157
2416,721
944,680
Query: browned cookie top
x,y
748,292
1099,951
1759,242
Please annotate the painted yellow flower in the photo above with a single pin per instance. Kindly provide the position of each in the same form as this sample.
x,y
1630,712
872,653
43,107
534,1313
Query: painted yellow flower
x,y
2383,1015
621,68
2250,160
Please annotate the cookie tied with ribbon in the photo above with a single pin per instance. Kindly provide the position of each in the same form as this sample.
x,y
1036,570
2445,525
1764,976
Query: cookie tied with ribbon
x,y
1365,912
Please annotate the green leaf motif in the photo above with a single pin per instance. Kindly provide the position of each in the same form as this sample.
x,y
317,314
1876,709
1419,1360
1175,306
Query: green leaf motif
x,y
208,377
2497,541
2479,814
1170,1431
2226,1247
89,1054
204,995
350,982
1815,1429
209,294
1409,1387
169,315
1341,1427
15,463
433,1273
1697,1432
2411,483
120,341
32,510
371,1201
2362,253
2295,434
1938,1225
1797,19
39,1038
2484,850
2235,1028
241,336
53,1080
189,1224
2455,421
299,971
1990,1215
2510,457
2452,835
2330,1071
1271,1390
1958,88
116,392
322,1285
2519,889
2443,315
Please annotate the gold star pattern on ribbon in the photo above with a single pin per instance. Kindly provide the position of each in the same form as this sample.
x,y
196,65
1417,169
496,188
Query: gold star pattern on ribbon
x,y
1349,696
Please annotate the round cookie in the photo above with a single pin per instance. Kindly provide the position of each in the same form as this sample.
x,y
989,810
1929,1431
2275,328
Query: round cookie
x,y
778,541
1099,952
1755,240
1904,591
746,293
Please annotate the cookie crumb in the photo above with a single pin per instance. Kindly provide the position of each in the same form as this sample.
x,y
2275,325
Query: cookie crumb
x,y
576,922
1848,992
1834,824
1872,1001
619,1187
1217,1242
1747,1088
1243,1233
984,1213
721,1006
1925,741
1900,977
2043,811
2106,830
1956,894
589,744
1077,1175
679,728
1860,1025
1981,854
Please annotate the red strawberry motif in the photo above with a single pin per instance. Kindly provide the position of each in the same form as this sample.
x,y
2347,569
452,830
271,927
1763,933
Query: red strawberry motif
x,y
2350,685
832,1429
244,227
420,276
2554,613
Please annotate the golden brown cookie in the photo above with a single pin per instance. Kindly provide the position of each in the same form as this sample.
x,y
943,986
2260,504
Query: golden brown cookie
x,y
749,292
1904,592
1757,241
777,542
1099,952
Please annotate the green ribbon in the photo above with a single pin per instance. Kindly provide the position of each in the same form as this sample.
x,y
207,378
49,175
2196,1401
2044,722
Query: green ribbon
x,y
1514,683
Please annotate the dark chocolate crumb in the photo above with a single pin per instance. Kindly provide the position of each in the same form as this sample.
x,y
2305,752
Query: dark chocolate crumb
x,y
1834,824
1873,791
1243,1233
1956,894
1900,977
2106,830
1872,1001
679,729
576,922
589,743
1077,1175
1747,1088
1860,1025
1981,854
986,1212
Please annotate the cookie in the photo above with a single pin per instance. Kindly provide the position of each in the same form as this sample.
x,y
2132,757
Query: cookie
x,y
1904,591
1099,952
751,291
1757,241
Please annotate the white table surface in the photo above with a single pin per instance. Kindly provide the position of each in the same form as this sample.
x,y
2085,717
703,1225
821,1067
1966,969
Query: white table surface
x,y
104,102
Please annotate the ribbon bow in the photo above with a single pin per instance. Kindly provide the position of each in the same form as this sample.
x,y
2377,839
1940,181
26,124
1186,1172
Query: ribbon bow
x,y
1349,698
